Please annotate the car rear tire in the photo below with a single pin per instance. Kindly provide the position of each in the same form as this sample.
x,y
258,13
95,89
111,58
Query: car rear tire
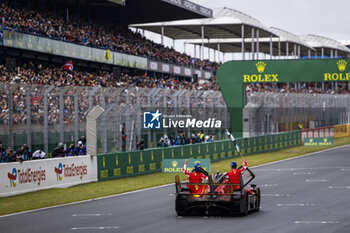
x,y
244,205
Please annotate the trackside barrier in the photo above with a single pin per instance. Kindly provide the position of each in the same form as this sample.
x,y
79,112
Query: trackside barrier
x,y
124,164
321,132
35,175
341,131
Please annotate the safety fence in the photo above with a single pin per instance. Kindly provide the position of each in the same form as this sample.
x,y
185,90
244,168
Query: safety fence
x,y
266,113
336,131
43,116
124,164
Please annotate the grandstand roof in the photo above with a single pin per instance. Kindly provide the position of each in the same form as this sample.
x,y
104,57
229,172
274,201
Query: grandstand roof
x,y
225,23
141,11
234,45
328,44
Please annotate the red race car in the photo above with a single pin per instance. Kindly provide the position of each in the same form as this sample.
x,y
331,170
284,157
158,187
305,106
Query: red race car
x,y
219,196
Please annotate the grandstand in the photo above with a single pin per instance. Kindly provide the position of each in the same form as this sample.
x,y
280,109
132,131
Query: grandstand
x,y
59,59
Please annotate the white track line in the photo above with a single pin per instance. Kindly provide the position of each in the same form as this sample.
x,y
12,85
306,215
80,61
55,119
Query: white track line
x,y
303,173
339,187
274,195
94,228
316,180
89,215
316,222
296,204
165,185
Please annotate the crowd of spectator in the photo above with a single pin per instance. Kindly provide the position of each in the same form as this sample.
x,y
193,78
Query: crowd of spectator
x,y
30,73
181,139
101,34
24,153
306,87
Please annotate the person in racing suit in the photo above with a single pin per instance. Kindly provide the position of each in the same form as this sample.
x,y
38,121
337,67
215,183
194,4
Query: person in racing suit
x,y
235,174
195,177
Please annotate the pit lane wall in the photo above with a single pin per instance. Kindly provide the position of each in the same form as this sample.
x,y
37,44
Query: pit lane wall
x,y
124,164
36,175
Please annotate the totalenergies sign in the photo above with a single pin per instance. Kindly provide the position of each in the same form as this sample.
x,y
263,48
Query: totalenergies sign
x,y
341,76
261,77
70,170
26,176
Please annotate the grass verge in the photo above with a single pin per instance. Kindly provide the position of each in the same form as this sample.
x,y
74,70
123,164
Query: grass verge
x,y
57,196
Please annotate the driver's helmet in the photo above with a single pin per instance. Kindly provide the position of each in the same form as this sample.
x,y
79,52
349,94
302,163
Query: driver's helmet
x,y
196,167
233,165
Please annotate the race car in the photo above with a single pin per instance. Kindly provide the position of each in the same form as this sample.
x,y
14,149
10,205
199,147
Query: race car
x,y
219,197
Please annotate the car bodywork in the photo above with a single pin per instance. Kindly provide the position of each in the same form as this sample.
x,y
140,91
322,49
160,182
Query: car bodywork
x,y
219,197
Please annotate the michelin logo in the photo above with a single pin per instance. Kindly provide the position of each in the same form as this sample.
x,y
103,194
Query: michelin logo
x,y
151,120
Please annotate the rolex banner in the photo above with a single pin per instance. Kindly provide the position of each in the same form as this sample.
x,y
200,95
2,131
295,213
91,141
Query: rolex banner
x,y
318,142
175,165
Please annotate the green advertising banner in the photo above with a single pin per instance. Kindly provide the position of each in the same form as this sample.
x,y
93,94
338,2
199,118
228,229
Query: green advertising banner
x,y
318,141
176,165
232,75
124,164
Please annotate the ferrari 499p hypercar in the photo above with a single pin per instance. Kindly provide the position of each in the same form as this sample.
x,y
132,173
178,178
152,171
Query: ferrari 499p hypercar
x,y
219,196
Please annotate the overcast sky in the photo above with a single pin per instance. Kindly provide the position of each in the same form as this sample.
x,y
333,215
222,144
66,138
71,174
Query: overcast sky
x,y
329,18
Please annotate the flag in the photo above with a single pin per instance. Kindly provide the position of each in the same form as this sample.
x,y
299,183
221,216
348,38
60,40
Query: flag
x,y
108,55
144,75
68,66
233,140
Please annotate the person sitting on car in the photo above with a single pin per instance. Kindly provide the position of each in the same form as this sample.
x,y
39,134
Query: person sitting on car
x,y
235,174
195,177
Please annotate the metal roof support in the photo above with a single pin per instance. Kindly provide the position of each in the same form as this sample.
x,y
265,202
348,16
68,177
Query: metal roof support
x,y
173,43
214,55
287,49
184,47
257,43
295,50
162,36
331,53
322,53
270,46
253,43
299,55
208,53
242,46
308,53
279,47
315,54
219,52
336,53
202,49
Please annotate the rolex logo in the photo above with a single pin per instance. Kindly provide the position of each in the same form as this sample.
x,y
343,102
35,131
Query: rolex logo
x,y
174,163
260,66
325,140
311,140
341,65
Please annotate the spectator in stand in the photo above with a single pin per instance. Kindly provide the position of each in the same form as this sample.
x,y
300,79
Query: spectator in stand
x,y
80,149
3,158
101,34
161,143
167,141
140,145
59,151
70,151
180,140
38,154
202,136
25,153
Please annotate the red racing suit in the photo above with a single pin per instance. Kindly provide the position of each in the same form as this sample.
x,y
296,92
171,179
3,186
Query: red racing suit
x,y
195,177
235,175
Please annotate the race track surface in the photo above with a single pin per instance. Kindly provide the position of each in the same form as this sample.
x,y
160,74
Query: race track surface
x,y
310,194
